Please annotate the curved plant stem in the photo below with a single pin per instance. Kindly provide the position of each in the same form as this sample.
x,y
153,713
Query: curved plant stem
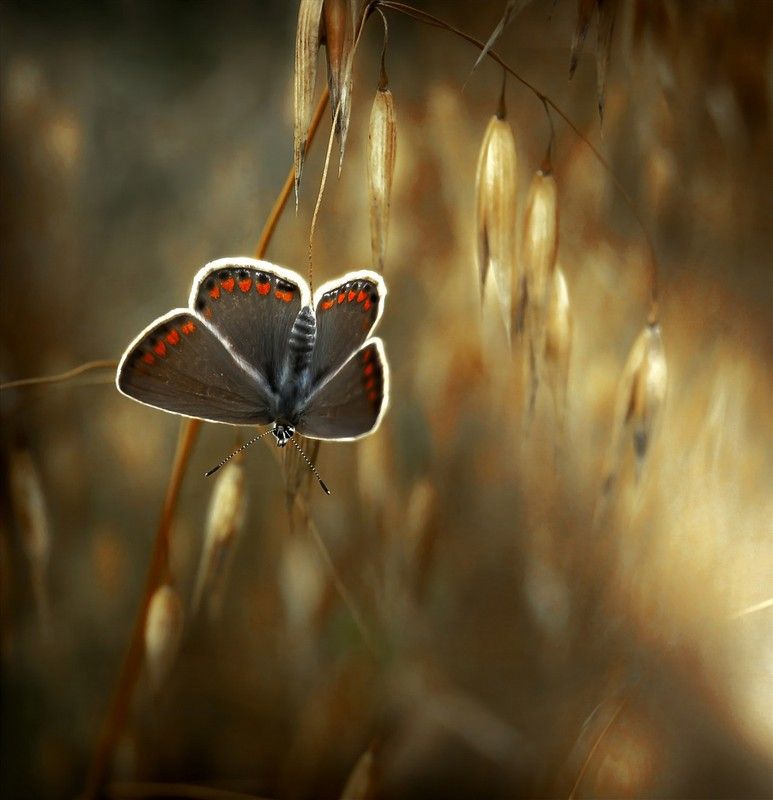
x,y
430,19
158,571
104,363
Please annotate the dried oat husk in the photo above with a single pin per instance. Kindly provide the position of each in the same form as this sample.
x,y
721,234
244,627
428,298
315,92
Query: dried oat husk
x,y
31,517
496,208
361,783
338,33
558,345
163,632
640,397
539,247
227,508
307,40
382,148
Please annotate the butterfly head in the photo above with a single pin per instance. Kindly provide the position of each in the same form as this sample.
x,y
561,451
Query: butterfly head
x,y
282,433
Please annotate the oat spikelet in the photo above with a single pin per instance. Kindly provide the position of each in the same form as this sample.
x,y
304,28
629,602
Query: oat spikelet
x,y
225,520
558,344
338,27
306,48
31,517
496,208
361,782
640,397
163,632
539,246
382,147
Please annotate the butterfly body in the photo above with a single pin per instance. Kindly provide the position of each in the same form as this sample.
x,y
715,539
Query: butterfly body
x,y
254,348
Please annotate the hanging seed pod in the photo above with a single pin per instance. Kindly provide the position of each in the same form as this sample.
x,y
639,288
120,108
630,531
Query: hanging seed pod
x,y
338,33
32,522
382,147
227,509
360,784
307,38
558,344
496,208
640,397
163,632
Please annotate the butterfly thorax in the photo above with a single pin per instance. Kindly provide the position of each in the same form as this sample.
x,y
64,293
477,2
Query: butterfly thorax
x,y
295,380
282,434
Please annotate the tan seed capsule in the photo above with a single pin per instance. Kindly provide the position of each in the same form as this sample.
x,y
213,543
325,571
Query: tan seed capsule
x,y
496,208
640,397
558,343
163,632
306,48
539,246
382,148
31,518
338,23
227,509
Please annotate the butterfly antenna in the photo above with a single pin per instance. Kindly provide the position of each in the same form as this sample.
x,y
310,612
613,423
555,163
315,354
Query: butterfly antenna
x,y
311,467
236,453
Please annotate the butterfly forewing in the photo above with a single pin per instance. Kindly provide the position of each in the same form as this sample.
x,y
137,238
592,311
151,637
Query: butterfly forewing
x,y
179,365
351,403
346,310
251,305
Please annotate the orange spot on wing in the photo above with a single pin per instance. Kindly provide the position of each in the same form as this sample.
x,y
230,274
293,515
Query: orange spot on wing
x,y
327,304
341,297
367,304
228,283
369,369
188,327
373,396
263,288
214,292
245,285
148,358
370,384
160,348
208,313
361,296
173,337
352,295
285,296
367,355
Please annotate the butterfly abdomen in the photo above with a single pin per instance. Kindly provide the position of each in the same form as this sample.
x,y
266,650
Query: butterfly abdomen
x,y
302,338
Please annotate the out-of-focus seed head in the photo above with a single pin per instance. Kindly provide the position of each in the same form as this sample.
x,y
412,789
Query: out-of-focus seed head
x,y
31,516
558,342
227,509
640,397
539,245
307,39
382,149
361,782
496,208
163,632
338,31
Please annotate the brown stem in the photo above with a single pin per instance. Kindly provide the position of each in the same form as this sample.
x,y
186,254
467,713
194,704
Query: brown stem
x,y
158,571
105,363
430,19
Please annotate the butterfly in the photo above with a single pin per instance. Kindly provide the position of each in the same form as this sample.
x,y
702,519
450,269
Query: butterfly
x,y
253,348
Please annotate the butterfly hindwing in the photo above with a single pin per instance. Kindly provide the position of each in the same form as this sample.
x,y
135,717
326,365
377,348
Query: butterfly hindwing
x,y
347,310
177,364
351,403
252,305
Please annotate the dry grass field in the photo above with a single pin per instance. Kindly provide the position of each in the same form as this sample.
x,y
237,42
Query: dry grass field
x,y
571,600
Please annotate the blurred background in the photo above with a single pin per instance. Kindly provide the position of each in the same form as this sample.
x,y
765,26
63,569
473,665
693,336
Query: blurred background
x,y
496,639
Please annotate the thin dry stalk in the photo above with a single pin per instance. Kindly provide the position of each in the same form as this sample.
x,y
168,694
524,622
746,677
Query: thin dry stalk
x,y
361,784
29,507
163,633
496,183
307,39
382,148
104,363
